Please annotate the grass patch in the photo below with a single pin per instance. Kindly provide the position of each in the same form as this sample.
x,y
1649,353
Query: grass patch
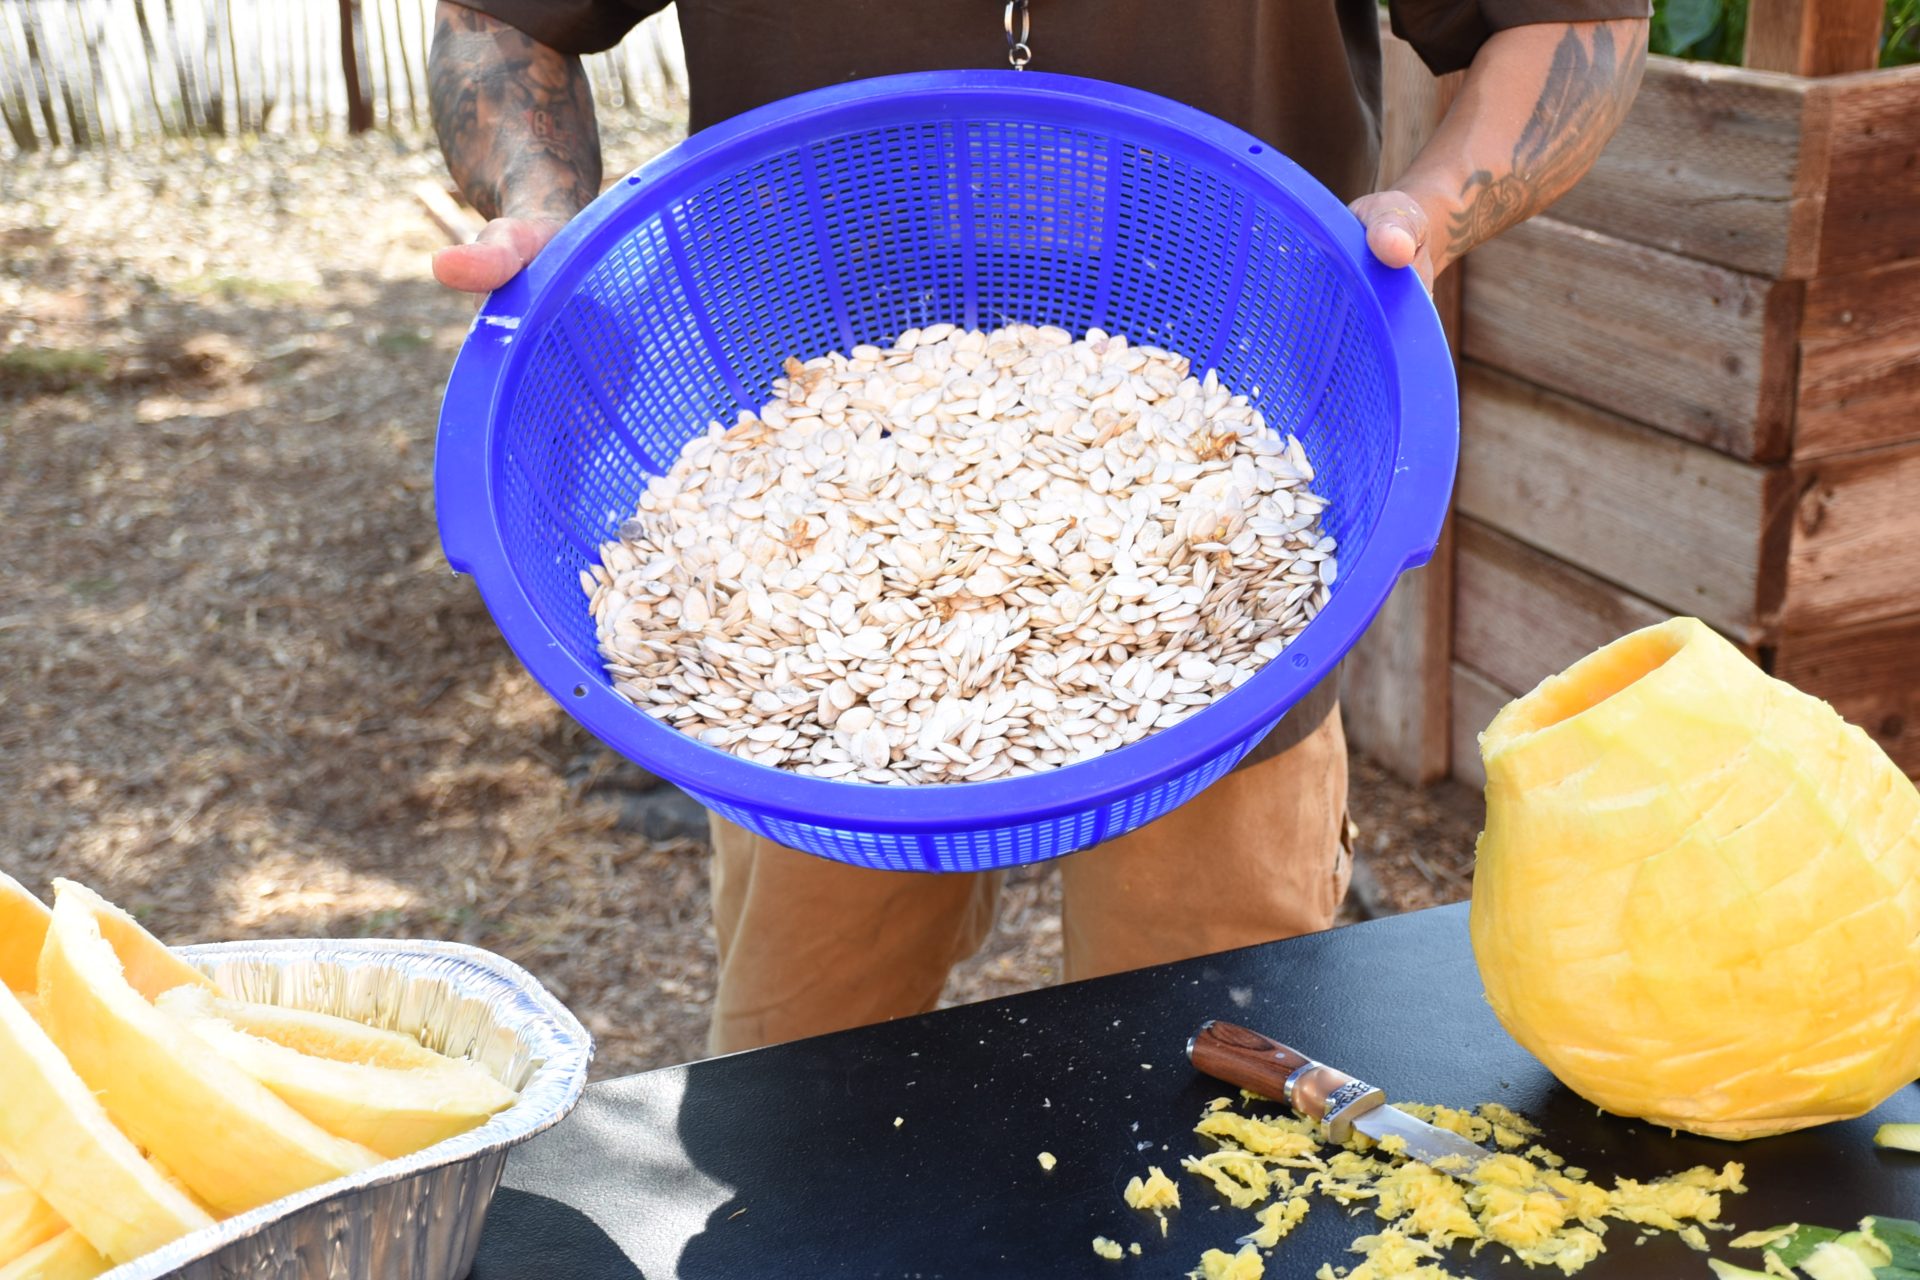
x,y
402,341
234,288
32,370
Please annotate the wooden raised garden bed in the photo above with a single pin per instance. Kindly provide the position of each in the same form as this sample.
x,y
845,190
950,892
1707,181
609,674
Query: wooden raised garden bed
x,y
1694,388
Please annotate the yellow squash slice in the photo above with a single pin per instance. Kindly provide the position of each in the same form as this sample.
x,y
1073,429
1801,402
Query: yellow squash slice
x,y
25,1219
56,1138
221,1132
369,1085
67,1256
23,927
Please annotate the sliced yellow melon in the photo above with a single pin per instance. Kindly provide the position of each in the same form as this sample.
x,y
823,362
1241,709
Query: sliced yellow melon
x,y
369,1085
218,1129
67,1256
25,1219
56,1138
23,928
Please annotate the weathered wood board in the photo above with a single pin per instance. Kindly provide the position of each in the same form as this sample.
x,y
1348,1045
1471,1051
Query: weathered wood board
x,y
1778,175
1813,37
1859,384
1520,615
1686,528
1394,686
1872,207
1713,162
1854,555
1690,347
1871,675
1476,700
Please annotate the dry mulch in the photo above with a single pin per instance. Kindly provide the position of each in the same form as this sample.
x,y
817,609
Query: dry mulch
x,y
243,695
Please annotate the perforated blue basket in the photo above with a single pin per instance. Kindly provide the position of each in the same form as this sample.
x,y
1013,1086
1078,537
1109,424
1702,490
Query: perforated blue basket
x,y
849,215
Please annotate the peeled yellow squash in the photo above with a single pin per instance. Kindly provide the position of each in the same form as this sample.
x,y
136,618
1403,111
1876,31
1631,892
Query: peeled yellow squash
x,y
67,1256
373,1086
25,1219
23,927
1698,893
220,1131
56,1138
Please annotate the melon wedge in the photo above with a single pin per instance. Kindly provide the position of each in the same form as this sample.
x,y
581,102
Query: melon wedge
x,y
365,1084
67,1256
25,1219
56,1138
23,928
219,1130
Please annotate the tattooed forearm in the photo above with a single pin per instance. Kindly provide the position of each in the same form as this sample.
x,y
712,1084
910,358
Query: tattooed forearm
x,y
515,118
1589,86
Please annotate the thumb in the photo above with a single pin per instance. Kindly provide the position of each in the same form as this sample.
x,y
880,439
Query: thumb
x,y
504,247
1396,227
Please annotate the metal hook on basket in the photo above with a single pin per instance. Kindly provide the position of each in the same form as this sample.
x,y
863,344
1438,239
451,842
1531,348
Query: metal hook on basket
x,y
1019,52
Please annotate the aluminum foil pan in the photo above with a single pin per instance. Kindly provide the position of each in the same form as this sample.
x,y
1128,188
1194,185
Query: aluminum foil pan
x,y
416,1218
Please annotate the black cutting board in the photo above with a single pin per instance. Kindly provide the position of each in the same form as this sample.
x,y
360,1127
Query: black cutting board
x,y
787,1161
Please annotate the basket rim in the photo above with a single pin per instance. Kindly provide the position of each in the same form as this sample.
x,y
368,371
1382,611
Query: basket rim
x,y
1421,389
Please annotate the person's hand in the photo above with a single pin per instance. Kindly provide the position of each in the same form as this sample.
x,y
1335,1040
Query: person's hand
x,y
1397,231
504,247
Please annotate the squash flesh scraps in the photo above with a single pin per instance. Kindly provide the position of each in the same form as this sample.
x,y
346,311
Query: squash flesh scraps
x,y
67,1256
225,1135
379,1088
57,1139
1697,897
1218,1264
1524,1199
23,928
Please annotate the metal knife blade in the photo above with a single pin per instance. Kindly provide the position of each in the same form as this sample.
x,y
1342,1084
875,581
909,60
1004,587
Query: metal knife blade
x,y
1316,1091
1444,1149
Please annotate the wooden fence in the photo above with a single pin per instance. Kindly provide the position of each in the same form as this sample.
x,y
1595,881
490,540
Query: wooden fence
x,y
88,73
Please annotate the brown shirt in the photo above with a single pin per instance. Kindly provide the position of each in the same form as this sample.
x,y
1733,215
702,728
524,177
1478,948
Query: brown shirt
x,y
1301,75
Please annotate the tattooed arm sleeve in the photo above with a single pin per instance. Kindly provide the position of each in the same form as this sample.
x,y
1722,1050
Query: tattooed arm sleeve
x,y
515,118
1534,111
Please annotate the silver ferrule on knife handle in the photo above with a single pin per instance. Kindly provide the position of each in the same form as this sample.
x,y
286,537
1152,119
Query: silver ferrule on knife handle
x,y
1332,1097
1310,1089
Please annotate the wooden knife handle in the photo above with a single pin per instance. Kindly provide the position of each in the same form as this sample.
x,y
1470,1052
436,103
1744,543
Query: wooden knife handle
x,y
1274,1070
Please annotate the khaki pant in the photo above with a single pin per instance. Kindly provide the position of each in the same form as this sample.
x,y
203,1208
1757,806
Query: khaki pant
x,y
809,946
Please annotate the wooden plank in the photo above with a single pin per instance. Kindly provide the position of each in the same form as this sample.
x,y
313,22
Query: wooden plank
x,y
1690,347
1394,683
1519,615
1476,701
1854,556
1859,384
1687,528
1715,163
458,223
1871,675
1813,37
1413,102
1872,211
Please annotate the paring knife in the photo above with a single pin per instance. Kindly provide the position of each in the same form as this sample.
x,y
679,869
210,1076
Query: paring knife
x,y
1325,1095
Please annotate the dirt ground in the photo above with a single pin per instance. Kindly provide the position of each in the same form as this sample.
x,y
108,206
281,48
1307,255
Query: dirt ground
x,y
240,692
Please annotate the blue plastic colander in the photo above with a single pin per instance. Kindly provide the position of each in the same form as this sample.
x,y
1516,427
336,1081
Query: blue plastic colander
x,y
849,215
